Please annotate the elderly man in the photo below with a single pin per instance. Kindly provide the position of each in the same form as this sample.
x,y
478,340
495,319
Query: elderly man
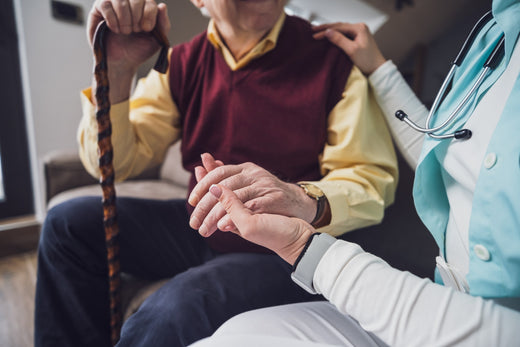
x,y
260,94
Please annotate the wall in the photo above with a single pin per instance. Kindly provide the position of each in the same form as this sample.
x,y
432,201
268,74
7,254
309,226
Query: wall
x,y
338,11
442,51
422,22
56,63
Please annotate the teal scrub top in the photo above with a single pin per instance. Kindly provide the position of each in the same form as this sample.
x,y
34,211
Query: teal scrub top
x,y
495,216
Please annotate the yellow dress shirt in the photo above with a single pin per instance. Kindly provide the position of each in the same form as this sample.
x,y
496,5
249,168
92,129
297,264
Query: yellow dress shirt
x,y
358,162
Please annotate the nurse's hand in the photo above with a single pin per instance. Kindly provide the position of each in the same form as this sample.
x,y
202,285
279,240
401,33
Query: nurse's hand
x,y
356,41
286,236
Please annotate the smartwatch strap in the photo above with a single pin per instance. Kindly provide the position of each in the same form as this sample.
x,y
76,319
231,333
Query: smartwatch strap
x,y
307,262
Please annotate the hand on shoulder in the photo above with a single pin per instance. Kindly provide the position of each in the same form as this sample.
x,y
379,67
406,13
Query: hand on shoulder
x,y
356,41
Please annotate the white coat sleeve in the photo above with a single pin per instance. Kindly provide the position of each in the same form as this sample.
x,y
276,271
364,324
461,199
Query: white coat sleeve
x,y
393,93
405,310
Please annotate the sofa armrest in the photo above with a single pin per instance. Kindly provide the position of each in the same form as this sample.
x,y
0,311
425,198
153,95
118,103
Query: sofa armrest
x,y
63,170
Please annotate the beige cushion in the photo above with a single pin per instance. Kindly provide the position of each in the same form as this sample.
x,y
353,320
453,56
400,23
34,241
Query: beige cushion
x,y
172,169
146,189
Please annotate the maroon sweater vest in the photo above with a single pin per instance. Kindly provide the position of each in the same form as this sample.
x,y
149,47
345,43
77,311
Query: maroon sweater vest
x,y
273,112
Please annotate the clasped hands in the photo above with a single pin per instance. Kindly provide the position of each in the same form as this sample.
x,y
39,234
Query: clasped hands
x,y
248,200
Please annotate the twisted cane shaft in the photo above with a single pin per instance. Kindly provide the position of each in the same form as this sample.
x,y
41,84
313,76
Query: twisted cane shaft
x,y
107,176
106,180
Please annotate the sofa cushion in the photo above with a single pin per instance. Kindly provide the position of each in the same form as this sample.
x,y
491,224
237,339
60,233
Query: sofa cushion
x,y
145,189
172,169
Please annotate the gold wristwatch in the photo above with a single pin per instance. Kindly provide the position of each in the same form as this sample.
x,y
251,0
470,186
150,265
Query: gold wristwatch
x,y
323,213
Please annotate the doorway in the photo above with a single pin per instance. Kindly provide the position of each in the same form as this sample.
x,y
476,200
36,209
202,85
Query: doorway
x,y
16,191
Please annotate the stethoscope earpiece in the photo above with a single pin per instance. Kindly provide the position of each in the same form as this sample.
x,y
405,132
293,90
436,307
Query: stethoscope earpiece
x,y
399,114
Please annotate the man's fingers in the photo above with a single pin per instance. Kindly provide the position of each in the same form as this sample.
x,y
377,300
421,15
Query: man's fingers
x,y
215,176
207,215
201,211
149,18
209,162
94,18
105,11
200,172
163,20
124,16
236,210
136,12
210,223
127,16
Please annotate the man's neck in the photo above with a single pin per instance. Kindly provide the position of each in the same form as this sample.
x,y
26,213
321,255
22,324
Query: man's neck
x,y
240,43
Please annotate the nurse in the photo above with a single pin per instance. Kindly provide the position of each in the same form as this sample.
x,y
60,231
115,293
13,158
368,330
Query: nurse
x,y
467,192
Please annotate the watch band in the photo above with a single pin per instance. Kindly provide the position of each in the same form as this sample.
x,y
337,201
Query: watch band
x,y
323,213
307,262
319,209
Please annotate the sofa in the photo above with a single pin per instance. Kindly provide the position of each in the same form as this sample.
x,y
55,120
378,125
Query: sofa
x,y
401,239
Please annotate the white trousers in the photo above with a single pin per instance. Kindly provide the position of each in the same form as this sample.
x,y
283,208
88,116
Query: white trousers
x,y
312,324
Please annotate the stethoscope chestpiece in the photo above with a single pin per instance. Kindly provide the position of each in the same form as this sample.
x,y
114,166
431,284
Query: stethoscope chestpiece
x,y
462,134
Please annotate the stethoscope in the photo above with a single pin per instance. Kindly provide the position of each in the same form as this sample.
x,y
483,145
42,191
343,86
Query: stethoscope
x,y
491,63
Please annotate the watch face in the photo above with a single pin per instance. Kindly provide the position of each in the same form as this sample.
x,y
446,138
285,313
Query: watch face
x,y
313,191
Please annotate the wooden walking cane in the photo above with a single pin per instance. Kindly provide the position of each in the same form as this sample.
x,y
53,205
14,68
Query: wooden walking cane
x,y
106,168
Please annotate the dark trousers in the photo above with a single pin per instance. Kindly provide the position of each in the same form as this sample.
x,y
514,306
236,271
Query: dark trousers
x,y
205,289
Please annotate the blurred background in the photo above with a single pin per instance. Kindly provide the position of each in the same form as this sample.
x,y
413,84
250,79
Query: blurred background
x,y
45,62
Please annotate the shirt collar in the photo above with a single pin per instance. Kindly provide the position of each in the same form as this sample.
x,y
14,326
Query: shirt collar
x,y
265,45
507,13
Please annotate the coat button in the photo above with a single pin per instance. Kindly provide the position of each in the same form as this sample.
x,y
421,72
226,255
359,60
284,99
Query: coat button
x,y
482,252
490,160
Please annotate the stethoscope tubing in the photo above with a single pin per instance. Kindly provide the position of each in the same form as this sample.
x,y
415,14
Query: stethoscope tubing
x,y
459,107
491,63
